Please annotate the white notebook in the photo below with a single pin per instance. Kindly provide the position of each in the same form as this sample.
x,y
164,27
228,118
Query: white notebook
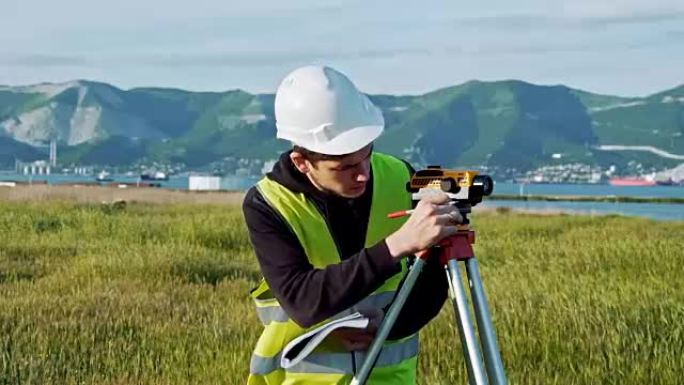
x,y
303,345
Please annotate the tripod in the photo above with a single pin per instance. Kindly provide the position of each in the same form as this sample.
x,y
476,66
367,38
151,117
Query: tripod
x,y
453,249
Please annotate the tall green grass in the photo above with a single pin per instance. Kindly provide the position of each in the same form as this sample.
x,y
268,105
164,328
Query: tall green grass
x,y
157,294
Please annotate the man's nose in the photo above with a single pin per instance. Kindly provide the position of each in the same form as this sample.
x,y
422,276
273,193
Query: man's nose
x,y
364,173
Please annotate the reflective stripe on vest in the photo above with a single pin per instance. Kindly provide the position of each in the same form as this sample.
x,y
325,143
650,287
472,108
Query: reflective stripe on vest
x,y
391,354
274,313
398,357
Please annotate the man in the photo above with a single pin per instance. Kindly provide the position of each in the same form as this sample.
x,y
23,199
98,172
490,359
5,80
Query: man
x,y
318,223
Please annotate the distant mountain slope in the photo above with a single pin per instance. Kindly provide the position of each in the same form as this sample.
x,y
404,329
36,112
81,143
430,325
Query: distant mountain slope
x,y
505,124
10,150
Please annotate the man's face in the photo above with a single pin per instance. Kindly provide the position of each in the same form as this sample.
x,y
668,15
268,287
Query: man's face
x,y
346,177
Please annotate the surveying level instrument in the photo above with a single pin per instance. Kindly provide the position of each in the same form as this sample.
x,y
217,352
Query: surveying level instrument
x,y
465,189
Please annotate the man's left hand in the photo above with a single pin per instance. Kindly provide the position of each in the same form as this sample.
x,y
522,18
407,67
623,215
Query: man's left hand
x,y
359,339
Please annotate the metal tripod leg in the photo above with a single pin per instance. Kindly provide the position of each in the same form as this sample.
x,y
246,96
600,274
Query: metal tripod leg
x,y
374,351
471,352
490,348
495,374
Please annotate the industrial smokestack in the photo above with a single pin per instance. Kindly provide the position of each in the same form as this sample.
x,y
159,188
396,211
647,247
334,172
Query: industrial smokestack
x,y
53,153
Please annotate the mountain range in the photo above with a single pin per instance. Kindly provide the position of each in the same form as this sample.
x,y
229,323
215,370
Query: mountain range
x,y
502,124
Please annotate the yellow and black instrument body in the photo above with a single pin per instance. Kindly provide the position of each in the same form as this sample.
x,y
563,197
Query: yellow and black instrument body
x,y
466,187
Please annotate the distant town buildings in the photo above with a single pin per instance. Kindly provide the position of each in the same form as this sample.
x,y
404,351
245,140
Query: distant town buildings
x,y
566,173
556,170
39,167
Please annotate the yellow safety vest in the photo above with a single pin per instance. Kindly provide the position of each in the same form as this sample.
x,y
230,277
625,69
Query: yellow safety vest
x,y
330,364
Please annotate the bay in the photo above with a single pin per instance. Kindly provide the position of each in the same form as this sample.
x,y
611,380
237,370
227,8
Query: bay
x,y
658,211
589,190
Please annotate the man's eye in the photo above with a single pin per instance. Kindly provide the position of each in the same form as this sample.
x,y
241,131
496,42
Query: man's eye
x,y
349,167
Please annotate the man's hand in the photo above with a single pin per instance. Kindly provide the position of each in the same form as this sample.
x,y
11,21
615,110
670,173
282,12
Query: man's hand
x,y
359,339
432,220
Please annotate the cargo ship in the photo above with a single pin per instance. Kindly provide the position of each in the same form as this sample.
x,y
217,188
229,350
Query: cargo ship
x,y
631,181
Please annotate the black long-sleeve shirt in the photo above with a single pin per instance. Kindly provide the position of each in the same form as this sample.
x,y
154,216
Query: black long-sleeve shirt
x,y
310,295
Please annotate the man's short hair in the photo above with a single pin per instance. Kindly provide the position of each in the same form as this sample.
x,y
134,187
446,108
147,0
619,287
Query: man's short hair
x,y
313,156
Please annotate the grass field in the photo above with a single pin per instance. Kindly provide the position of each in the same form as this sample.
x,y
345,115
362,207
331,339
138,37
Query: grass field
x,y
157,294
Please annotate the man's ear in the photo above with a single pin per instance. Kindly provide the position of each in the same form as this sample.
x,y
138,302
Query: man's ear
x,y
300,162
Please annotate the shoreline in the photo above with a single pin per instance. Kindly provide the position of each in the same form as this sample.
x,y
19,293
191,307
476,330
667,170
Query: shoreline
x,y
585,198
88,194
103,194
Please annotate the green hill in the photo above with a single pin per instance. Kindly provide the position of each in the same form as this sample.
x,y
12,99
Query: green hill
x,y
503,124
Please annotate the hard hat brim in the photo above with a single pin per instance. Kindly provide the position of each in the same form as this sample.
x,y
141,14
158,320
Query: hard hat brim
x,y
346,142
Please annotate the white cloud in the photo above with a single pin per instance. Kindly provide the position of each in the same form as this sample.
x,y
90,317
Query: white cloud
x,y
40,60
603,9
393,45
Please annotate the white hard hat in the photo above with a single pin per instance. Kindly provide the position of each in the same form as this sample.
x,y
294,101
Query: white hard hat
x,y
320,109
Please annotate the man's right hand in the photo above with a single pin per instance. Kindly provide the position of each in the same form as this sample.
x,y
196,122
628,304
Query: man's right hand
x,y
432,220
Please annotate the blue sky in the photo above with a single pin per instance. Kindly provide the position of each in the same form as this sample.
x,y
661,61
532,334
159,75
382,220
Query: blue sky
x,y
622,47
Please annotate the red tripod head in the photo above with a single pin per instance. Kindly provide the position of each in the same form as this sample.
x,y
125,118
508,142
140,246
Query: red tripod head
x,y
457,246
